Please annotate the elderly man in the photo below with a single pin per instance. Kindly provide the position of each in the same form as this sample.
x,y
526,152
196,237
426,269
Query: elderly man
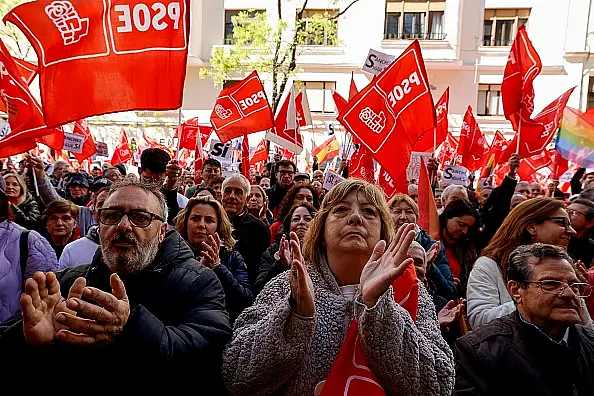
x,y
318,175
144,310
524,188
251,234
452,192
61,169
540,349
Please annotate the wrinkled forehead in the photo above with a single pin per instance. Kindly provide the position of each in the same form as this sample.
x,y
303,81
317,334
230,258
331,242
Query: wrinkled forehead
x,y
129,198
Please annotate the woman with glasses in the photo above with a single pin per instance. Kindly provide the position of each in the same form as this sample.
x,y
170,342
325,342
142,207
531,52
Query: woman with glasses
x,y
543,220
60,225
287,342
204,225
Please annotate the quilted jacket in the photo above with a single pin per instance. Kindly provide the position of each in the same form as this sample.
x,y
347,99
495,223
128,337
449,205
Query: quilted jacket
x,y
41,258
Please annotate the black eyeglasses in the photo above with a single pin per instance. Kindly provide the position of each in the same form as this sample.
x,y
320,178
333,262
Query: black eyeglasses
x,y
560,221
556,287
137,217
573,212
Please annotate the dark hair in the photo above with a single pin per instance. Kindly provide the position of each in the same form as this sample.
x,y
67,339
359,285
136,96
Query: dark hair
x,y
103,189
258,179
203,188
289,199
5,212
154,159
558,194
211,161
121,168
286,226
589,204
458,208
521,260
216,180
284,162
588,194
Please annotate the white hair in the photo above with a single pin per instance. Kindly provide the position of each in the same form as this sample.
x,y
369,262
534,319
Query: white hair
x,y
241,179
416,245
449,191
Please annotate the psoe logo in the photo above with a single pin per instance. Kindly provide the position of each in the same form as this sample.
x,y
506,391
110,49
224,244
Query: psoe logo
x,y
69,24
375,122
222,112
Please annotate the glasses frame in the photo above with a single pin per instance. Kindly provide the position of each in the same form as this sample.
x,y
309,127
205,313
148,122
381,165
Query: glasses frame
x,y
127,213
569,211
564,285
566,221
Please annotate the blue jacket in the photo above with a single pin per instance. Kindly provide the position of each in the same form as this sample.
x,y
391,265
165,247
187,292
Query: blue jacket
x,y
41,258
233,275
440,273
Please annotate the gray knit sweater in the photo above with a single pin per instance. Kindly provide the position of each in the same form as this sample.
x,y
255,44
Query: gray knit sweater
x,y
274,351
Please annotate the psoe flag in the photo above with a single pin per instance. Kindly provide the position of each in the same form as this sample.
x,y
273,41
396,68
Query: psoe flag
x,y
575,141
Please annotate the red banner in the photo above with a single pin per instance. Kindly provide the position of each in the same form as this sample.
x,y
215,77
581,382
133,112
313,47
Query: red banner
x,y
81,127
302,108
105,57
517,90
448,151
189,132
28,71
361,165
473,147
241,109
529,166
427,142
261,153
390,113
122,153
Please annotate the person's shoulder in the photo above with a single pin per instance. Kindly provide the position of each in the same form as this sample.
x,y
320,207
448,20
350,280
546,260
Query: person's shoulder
x,y
69,275
492,338
586,334
485,263
255,222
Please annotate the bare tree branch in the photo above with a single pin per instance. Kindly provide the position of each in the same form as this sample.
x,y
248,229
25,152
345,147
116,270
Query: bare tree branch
x,y
343,11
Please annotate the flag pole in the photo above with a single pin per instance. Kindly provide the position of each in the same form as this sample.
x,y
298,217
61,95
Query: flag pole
x,y
519,129
434,140
179,117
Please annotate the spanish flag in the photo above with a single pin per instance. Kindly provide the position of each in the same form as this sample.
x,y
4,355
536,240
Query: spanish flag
x,y
327,150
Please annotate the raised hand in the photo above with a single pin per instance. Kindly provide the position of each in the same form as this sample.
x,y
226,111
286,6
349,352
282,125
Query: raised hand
x,y
40,303
264,210
284,252
210,251
36,165
173,172
514,164
105,321
448,314
432,253
302,292
385,265
581,271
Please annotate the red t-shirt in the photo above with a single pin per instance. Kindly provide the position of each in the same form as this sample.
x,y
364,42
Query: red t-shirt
x,y
454,263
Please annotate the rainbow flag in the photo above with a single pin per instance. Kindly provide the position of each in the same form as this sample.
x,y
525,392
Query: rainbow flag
x,y
575,141
327,150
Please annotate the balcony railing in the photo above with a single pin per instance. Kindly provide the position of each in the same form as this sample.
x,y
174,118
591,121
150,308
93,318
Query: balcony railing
x,y
414,36
497,43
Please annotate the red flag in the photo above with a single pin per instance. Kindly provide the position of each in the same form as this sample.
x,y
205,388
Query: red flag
x,y
28,71
559,165
92,52
286,127
517,90
122,153
24,113
390,113
497,148
448,151
339,102
361,165
53,140
350,374
537,133
261,153
428,217
241,109
302,108
189,131
154,144
425,142
81,127
390,185
353,91
529,166
245,157
473,146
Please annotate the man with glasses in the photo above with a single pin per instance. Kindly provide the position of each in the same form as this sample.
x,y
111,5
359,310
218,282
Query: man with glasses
x,y
581,246
211,169
541,348
285,173
144,307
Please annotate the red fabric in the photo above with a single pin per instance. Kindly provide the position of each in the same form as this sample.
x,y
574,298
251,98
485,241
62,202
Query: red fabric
x,y
189,132
428,217
473,147
536,134
559,165
517,90
529,166
103,63
425,142
286,126
496,150
339,102
154,144
453,261
81,127
53,140
274,230
350,374
241,109
28,71
361,165
390,113
389,185
353,91
122,153
261,153
24,113
302,108
447,152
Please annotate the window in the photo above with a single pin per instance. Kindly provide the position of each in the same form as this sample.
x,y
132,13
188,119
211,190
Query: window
x,y
489,100
414,19
501,25
590,93
319,96
229,14
319,28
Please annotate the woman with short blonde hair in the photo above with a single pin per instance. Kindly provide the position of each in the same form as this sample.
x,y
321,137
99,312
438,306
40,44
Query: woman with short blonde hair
x,y
22,204
286,343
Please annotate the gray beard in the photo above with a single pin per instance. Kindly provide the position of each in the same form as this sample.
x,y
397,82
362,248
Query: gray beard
x,y
133,260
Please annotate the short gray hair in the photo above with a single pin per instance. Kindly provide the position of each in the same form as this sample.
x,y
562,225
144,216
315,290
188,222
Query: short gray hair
x,y
523,258
150,188
241,179
449,191
417,245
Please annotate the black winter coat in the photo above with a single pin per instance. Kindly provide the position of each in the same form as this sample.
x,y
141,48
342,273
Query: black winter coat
x,y
275,196
269,268
174,336
27,214
513,358
496,210
253,238
232,272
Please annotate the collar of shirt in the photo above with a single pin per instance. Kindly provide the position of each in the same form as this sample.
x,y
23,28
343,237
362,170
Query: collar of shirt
x,y
564,340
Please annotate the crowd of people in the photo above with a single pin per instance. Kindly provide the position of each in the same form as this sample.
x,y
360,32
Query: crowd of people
x,y
249,286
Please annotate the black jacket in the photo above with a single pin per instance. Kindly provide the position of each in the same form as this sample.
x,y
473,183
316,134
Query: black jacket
x,y
496,210
275,196
576,181
510,357
174,336
269,268
253,237
582,249
27,214
232,272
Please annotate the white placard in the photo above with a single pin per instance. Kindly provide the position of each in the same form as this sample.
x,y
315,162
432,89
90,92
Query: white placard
x,y
101,149
331,179
566,177
73,142
220,151
414,166
455,175
376,62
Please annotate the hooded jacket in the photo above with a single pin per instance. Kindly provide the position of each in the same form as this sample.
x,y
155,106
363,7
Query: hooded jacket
x,y
174,335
